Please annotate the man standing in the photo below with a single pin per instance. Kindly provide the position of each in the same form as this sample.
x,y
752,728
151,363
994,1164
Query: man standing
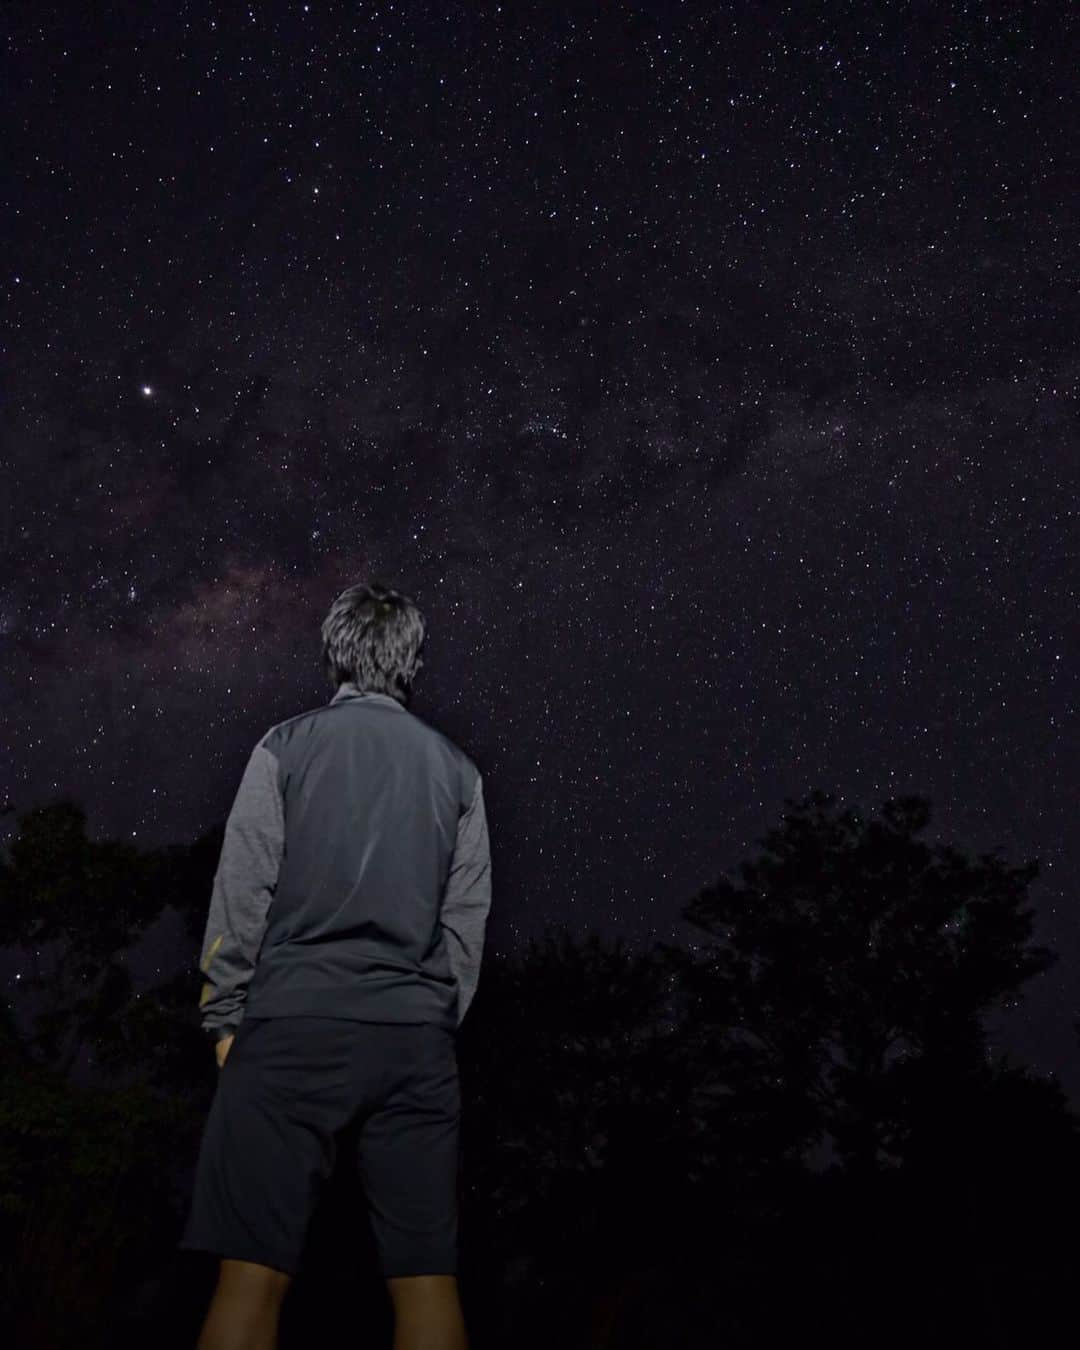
x,y
342,951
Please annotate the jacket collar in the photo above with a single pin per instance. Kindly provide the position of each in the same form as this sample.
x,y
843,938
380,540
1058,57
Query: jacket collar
x,y
349,691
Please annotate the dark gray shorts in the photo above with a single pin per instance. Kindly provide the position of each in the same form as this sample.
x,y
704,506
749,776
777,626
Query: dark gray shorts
x,y
289,1087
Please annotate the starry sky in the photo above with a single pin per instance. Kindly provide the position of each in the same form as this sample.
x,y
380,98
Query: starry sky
x,y
706,372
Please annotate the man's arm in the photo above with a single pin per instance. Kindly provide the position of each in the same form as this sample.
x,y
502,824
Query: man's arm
x,y
467,899
244,886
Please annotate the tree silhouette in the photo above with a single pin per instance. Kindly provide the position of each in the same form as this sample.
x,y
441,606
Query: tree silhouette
x,y
92,900
563,1068
66,1151
851,952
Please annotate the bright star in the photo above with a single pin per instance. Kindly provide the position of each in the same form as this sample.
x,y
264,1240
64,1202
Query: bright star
x,y
147,390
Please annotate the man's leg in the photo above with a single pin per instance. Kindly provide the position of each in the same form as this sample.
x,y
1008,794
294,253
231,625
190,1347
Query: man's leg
x,y
245,1308
427,1313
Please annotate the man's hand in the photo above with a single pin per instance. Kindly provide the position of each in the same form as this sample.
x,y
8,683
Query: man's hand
x,y
222,1048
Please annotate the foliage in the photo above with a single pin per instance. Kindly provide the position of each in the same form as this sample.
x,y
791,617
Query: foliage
x,y
850,950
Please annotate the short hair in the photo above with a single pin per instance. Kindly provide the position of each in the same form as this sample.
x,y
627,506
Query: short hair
x,y
372,636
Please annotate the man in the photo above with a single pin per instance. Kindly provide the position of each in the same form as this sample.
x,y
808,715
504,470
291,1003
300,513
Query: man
x,y
342,951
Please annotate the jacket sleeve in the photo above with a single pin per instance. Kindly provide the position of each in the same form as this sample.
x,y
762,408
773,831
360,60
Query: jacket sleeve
x,y
467,899
244,886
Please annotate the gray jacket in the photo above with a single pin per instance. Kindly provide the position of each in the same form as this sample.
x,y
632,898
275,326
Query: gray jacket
x,y
355,874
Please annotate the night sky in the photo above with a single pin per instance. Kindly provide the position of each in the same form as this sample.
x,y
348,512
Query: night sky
x,y
707,373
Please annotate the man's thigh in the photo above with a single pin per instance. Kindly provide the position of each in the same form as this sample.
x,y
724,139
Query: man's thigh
x,y
408,1156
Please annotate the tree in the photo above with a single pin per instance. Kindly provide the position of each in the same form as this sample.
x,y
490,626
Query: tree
x,y
562,1067
850,952
67,1151
92,900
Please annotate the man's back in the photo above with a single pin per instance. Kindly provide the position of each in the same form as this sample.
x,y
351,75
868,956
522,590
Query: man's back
x,y
355,876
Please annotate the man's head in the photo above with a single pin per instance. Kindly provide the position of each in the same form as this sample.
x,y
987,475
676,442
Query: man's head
x,y
372,636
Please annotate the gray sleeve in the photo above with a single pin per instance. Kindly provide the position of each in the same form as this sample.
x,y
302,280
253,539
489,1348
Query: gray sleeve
x,y
244,886
467,899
